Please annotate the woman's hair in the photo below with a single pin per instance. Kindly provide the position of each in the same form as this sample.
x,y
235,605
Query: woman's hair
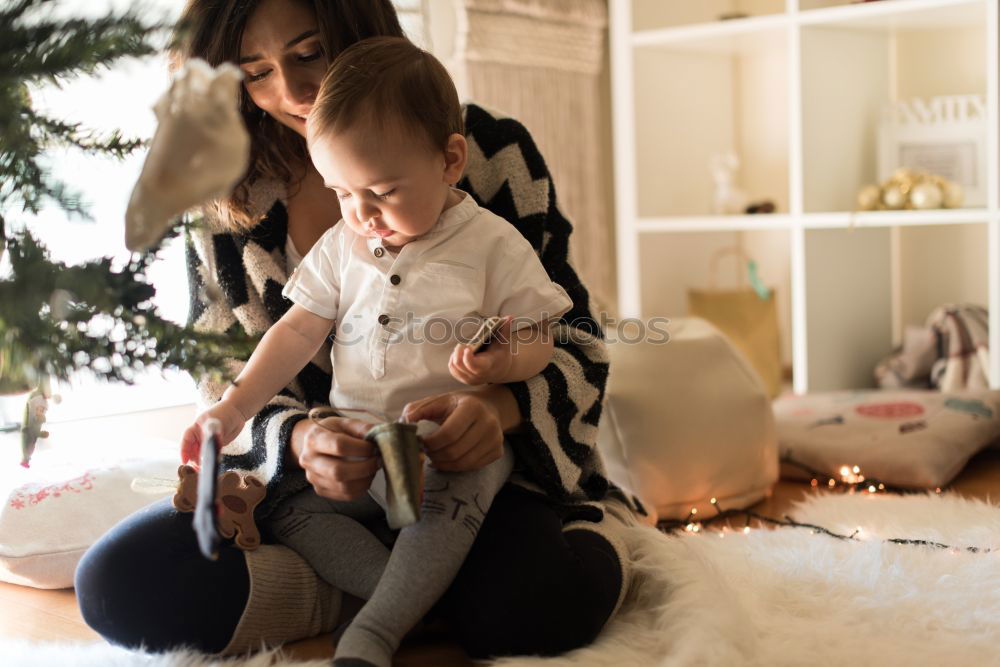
x,y
213,31
388,83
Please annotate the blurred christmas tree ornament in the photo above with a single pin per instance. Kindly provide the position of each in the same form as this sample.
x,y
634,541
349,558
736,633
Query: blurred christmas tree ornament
x,y
199,152
35,410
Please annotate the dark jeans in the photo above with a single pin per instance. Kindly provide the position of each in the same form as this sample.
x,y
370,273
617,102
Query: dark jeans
x,y
525,588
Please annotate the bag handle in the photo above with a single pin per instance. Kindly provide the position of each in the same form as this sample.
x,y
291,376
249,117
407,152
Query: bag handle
x,y
752,276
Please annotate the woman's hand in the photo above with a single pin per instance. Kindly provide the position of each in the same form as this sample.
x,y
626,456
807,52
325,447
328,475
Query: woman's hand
x,y
338,462
471,432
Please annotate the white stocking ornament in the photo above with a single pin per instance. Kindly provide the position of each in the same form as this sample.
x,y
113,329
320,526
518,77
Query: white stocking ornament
x,y
199,152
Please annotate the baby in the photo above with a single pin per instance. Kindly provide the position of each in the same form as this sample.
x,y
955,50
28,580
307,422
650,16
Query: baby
x,y
412,260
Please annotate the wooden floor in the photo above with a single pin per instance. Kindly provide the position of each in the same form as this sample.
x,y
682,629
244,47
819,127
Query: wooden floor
x,y
31,614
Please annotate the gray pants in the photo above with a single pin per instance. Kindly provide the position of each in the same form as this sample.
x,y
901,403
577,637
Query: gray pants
x,y
345,542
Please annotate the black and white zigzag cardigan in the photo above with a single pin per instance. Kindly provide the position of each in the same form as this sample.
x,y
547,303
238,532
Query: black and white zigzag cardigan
x,y
555,447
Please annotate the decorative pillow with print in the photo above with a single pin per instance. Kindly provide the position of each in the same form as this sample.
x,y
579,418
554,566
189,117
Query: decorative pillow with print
x,y
914,439
53,512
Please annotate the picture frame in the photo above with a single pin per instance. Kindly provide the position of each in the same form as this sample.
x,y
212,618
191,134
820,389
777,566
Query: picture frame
x,y
945,136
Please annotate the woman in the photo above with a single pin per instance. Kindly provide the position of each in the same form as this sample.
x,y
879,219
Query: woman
x,y
546,571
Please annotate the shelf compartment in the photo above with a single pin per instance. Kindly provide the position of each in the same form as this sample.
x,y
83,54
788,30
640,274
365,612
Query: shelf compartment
x,y
848,315
880,61
939,265
700,104
674,263
657,14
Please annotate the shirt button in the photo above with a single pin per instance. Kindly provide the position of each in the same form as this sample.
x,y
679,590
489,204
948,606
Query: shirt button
x,y
394,279
383,319
379,251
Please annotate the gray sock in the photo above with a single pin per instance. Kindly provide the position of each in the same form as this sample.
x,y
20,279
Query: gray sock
x,y
336,538
424,560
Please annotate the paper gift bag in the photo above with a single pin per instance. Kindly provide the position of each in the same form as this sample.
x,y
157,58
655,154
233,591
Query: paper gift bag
x,y
748,317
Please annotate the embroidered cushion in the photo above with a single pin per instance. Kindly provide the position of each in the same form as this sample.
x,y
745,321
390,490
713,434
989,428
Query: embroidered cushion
x,y
686,420
53,511
914,438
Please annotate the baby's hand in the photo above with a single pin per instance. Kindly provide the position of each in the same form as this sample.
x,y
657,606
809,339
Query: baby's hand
x,y
231,422
491,365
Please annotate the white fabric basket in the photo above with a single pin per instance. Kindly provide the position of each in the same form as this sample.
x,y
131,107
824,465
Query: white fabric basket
x,y
687,421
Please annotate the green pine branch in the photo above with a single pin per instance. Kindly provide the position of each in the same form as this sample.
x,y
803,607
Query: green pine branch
x,y
59,319
40,50
63,319
58,50
54,132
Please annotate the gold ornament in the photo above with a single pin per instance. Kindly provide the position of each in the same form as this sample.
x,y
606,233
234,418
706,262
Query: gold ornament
x,y
953,195
868,198
910,189
893,196
925,195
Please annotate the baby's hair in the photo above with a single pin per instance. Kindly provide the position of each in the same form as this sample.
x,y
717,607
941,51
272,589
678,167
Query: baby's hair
x,y
388,83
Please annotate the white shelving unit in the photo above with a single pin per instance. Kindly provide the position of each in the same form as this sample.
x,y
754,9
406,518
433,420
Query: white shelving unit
x,y
795,89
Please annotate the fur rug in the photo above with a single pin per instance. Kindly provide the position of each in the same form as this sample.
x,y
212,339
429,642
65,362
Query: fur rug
x,y
99,654
783,597
791,597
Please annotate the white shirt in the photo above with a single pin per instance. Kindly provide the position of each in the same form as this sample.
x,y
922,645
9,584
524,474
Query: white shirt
x,y
292,255
398,318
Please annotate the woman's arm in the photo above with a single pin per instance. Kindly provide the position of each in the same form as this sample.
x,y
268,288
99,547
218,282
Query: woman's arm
x,y
500,399
561,406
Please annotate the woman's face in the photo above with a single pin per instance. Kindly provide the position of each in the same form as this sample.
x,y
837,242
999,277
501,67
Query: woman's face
x,y
283,61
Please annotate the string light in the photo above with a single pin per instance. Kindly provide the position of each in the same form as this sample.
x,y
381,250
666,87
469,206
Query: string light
x,y
850,478
723,516
851,475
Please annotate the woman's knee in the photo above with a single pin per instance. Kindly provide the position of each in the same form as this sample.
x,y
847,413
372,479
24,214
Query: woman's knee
x,y
144,583
544,626
528,587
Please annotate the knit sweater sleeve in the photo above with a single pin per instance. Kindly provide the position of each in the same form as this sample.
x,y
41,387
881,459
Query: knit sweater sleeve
x,y
231,303
556,446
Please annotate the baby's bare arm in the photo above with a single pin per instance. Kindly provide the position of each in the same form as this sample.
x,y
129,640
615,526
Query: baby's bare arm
x,y
283,351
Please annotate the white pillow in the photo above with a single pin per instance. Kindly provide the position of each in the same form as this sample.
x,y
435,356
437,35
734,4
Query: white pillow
x,y
55,510
912,438
687,421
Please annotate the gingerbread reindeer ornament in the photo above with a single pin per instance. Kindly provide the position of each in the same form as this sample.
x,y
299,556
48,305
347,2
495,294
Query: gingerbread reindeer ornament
x,y
234,497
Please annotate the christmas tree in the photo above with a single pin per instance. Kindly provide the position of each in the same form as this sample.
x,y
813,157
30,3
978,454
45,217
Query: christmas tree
x,y
57,319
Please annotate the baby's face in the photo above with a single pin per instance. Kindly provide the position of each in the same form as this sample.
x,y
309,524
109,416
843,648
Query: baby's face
x,y
395,190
